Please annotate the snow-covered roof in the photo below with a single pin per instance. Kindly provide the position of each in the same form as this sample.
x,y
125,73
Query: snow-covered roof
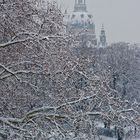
x,y
80,18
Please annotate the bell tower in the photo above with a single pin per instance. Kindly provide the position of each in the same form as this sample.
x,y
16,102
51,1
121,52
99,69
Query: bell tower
x,y
103,42
80,6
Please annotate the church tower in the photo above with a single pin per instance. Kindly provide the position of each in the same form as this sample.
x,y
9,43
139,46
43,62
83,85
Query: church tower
x,y
81,21
80,6
102,42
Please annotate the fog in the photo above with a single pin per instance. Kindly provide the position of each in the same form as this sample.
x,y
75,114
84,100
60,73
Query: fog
x,y
121,18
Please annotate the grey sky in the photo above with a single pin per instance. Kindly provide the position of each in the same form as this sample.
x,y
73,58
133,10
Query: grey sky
x,y
120,17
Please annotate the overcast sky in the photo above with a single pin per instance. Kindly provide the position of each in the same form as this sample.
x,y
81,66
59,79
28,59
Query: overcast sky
x,y
121,18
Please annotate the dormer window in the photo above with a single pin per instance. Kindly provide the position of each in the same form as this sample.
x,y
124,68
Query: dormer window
x,y
73,16
90,16
82,15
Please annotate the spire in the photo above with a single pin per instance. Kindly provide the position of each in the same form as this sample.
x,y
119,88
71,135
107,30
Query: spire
x,y
103,42
102,27
66,12
66,16
80,6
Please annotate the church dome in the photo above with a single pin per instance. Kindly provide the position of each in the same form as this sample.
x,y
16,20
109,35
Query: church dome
x,y
81,19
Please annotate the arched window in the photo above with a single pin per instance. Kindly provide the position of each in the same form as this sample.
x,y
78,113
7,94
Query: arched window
x,y
80,1
82,15
90,16
73,16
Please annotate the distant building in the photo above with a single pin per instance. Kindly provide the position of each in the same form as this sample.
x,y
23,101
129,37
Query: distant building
x,y
82,22
102,42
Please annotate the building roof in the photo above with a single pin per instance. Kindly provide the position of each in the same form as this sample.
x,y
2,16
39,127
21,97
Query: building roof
x,y
80,18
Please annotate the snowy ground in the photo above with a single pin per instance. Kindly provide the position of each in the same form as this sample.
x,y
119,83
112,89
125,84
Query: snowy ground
x,y
107,138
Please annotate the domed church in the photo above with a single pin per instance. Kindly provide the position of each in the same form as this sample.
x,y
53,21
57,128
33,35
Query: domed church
x,y
82,22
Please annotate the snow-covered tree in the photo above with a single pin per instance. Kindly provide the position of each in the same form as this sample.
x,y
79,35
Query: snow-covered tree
x,y
45,89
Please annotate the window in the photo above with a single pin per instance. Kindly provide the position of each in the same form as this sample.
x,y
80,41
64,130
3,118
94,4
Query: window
x,y
82,15
80,1
73,16
90,16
